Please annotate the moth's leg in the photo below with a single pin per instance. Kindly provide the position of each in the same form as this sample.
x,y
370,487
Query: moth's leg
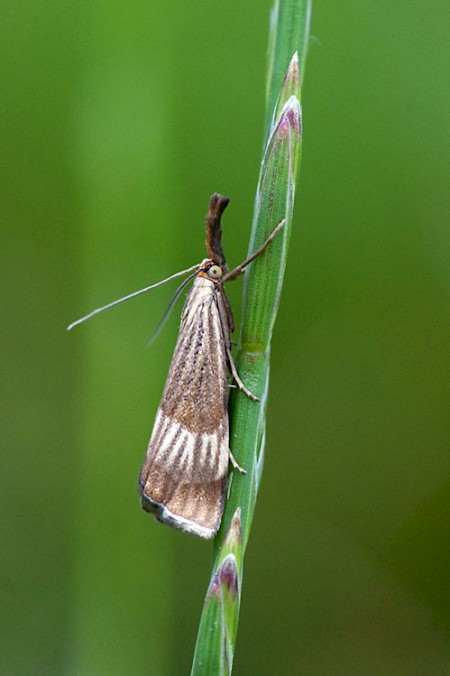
x,y
234,273
240,268
236,464
235,375
224,318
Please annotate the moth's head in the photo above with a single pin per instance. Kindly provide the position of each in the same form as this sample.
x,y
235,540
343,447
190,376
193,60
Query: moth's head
x,y
210,270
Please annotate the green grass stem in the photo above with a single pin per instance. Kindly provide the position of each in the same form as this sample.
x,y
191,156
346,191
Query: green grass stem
x,y
262,289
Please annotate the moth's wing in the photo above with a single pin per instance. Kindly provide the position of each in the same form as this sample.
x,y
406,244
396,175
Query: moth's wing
x,y
183,479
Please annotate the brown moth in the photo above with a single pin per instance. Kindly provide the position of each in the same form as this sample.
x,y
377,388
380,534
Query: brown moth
x,y
184,476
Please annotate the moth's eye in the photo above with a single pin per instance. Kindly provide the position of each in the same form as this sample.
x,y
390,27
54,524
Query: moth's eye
x,y
215,271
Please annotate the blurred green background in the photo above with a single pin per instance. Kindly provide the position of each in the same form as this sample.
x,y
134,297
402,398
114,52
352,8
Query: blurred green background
x,y
118,122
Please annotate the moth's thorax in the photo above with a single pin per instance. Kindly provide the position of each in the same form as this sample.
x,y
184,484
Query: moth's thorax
x,y
202,295
204,285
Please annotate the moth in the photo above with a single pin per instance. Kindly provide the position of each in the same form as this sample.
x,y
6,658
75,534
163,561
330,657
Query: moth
x,y
184,475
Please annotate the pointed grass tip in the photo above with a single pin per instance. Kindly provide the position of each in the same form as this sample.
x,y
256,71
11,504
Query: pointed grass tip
x,y
290,118
291,82
289,89
233,535
226,578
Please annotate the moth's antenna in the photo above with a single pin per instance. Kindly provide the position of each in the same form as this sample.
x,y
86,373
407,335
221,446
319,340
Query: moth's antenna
x,y
168,310
136,293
